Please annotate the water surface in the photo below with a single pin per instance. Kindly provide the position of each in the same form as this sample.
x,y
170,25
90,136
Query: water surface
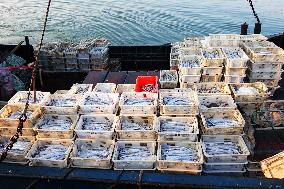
x,y
134,21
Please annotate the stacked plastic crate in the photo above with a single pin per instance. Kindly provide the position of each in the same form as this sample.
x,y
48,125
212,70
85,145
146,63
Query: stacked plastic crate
x,y
99,54
266,60
177,129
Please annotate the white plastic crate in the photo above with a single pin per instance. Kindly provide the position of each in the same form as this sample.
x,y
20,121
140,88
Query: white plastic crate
x,y
136,128
223,123
138,103
213,57
80,89
184,52
212,71
249,92
235,57
259,55
251,44
265,67
224,43
191,65
211,78
176,103
63,104
216,103
19,151
121,88
168,79
56,126
240,156
190,159
96,126
235,70
168,130
224,167
10,114
190,88
252,37
209,88
264,75
99,103
223,36
88,153
134,161
105,87
20,98
58,157
234,78
10,131
189,78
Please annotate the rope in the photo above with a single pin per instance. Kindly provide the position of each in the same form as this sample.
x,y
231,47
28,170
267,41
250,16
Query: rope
x,y
253,11
23,116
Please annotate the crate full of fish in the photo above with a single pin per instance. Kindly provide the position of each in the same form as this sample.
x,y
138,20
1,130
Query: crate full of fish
x,y
265,67
105,87
177,128
10,114
273,167
176,103
99,103
168,79
213,57
19,151
80,89
21,97
179,156
189,78
191,65
134,155
215,88
90,153
121,88
97,126
50,153
56,126
223,123
248,45
234,78
212,70
138,103
249,92
224,168
224,149
235,57
216,103
137,127
211,78
187,52
264,75
259,55
174,59
61,104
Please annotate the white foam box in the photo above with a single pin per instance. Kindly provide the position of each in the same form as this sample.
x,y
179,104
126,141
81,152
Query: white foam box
x,y
189,109
135,164
96,134
103,163
225,158
177,136
134,134
138,108
34,161
180,166
234,115
261,96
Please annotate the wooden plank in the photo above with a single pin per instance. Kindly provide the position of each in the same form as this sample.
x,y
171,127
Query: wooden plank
x,y
131,77
95,77
115,77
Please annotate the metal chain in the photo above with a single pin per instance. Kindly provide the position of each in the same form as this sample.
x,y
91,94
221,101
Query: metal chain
x,y
23,117
253,10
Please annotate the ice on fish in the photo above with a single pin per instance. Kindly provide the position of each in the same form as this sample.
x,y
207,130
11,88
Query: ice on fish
x,y
234,53
170,100
129,153
135,125
51,152
247,90
96,125
190,63
97,99
168,76
39,97
221,122
55,123
89,151
211,54
138,101
175,126
18,148
178,153
17,114
62,102
222,148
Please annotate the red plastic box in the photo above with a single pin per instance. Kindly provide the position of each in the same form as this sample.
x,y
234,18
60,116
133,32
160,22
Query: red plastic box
x,y
142,81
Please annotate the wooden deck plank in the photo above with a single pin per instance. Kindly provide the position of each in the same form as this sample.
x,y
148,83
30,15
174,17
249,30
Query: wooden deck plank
x,y
95,77
115,77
